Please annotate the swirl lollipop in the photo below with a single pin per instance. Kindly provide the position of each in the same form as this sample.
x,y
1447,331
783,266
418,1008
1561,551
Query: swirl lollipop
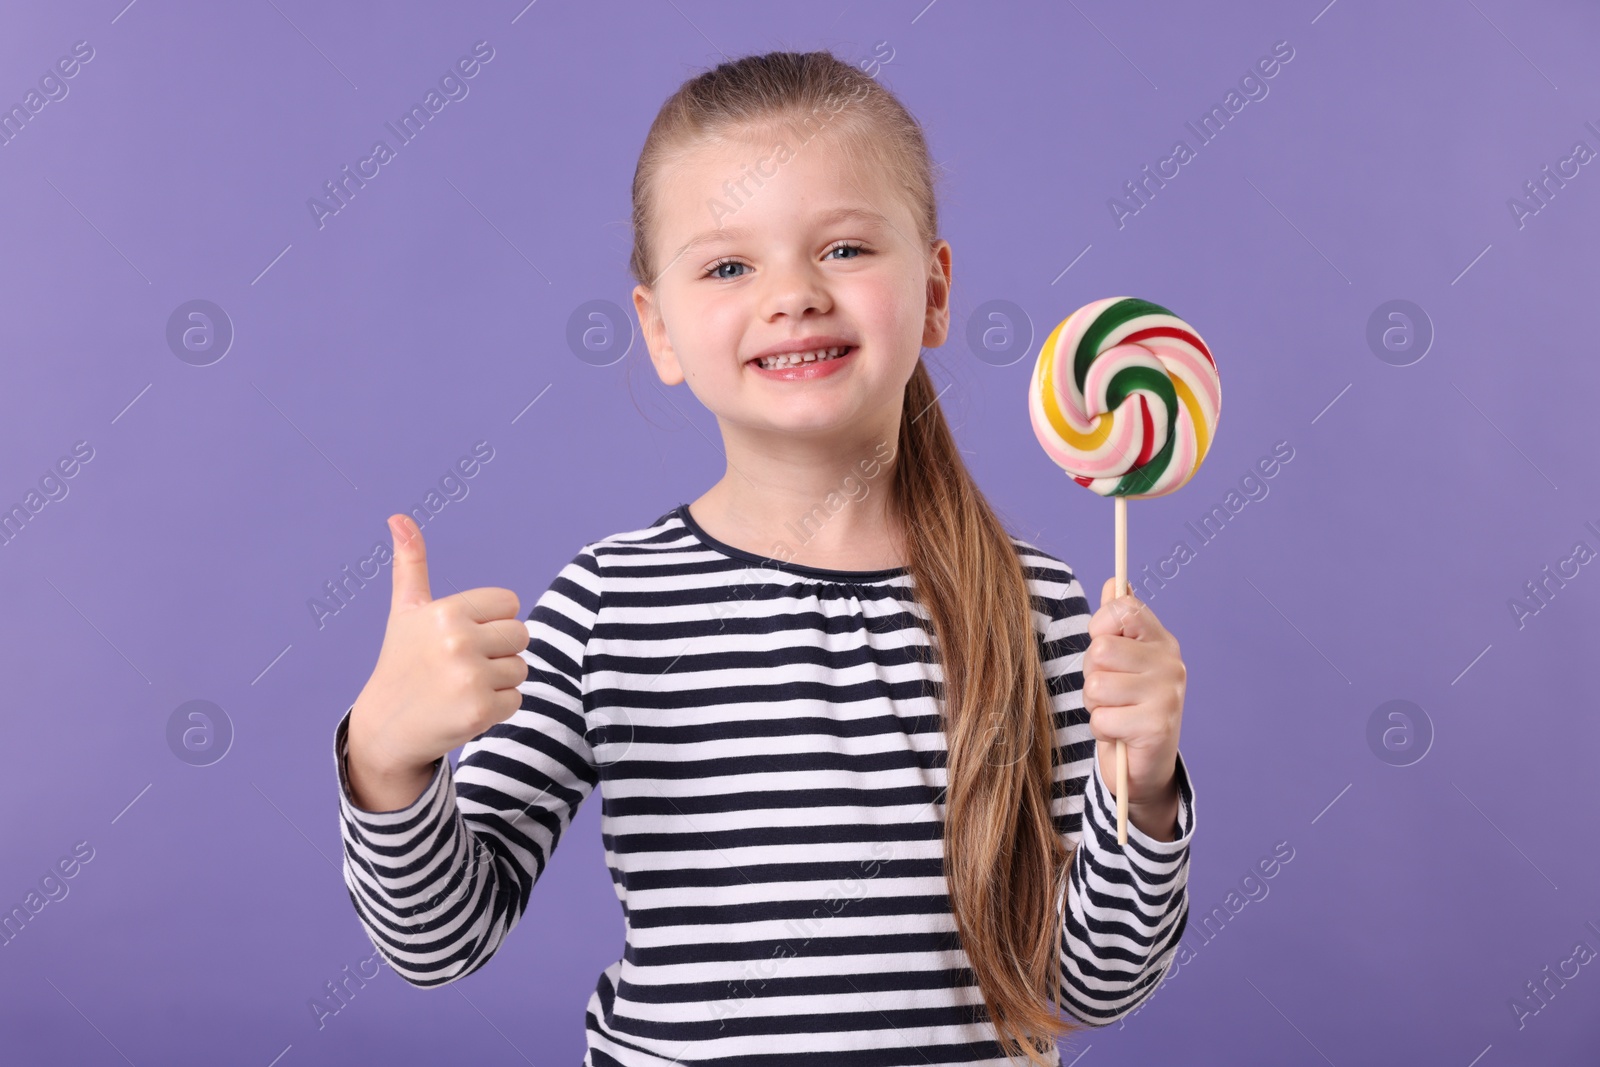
x,y
1125,398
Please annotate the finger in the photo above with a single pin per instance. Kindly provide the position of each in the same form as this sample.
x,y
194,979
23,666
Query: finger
x,y
1115,689
410,577
488,603
1127,724
1114,652
1125,615
1108,590
1108,619
500,637
1136,619
506,703
508,672
1102,621
1114,722
1109,730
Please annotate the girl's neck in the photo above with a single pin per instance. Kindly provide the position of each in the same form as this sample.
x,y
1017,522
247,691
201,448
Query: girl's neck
x,y
837,516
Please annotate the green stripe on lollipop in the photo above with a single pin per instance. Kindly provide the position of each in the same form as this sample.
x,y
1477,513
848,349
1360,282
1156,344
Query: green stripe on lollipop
x,y
1112,318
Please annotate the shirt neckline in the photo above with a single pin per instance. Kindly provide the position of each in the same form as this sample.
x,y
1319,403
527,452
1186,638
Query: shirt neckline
x,y
824,573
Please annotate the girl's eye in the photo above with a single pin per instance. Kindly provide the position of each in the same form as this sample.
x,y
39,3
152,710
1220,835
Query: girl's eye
x,y
711,271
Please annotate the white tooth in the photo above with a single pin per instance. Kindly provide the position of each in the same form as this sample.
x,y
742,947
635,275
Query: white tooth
x,y
792,358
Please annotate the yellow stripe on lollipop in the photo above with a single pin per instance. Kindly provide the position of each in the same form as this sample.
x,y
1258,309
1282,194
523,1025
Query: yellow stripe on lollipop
x,y
1083,442
1202,434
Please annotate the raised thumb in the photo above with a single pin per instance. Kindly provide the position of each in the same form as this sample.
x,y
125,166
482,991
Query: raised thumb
x,y
410,564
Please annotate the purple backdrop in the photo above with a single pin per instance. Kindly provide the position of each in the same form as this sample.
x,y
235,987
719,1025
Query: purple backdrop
x,y
1387,243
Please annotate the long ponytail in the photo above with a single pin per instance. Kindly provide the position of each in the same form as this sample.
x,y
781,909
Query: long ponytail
x,y
1005,863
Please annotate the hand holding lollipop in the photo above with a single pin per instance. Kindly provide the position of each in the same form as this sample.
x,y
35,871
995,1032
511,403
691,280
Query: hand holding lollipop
x,y
1125,398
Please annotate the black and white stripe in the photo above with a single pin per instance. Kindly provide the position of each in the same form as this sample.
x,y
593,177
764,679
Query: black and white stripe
x,y
770,761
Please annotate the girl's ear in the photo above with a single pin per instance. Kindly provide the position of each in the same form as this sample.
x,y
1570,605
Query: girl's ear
x,y
655,336
936,321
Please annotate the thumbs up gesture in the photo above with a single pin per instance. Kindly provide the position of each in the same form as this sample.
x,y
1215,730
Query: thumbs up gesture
x,y
447,671
1133,688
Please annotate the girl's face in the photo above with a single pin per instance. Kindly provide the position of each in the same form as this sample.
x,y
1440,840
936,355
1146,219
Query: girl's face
x,y
768,239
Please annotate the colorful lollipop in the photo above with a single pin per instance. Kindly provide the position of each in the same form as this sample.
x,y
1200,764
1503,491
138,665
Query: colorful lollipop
x,y
1125,399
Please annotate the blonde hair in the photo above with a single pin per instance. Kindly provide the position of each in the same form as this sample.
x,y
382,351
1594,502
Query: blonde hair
x,y
1005,863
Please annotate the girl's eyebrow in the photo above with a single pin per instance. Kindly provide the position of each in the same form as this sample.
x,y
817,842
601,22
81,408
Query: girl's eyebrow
x,y
827,218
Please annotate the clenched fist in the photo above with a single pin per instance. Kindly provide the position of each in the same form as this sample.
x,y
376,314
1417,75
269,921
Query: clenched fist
x,y
1133,688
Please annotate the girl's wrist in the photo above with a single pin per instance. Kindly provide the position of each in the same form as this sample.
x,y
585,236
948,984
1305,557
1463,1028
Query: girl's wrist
x,y
1157,819
375,789
365,758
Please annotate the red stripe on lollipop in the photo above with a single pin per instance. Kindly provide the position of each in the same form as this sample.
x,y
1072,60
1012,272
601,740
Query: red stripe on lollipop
x,y
1147,449
1174,333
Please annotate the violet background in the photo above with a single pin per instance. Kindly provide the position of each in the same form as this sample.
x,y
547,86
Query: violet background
x,y
431,312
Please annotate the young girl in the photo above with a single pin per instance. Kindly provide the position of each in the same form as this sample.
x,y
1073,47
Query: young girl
x,y
854,800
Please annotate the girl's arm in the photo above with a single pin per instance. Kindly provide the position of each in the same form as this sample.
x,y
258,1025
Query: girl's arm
x,y
439,884
1125,906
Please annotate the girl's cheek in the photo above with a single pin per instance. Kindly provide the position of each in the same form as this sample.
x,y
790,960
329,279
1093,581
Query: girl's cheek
x,y
889,307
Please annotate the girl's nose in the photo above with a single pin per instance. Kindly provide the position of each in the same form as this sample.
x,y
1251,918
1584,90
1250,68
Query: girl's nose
x,y
794,289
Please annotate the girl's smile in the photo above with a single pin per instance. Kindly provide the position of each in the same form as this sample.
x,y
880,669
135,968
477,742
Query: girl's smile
x,y
803,361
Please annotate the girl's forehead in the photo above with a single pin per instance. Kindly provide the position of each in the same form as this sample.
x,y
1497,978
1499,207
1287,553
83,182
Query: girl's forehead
x,y
755,157
770,175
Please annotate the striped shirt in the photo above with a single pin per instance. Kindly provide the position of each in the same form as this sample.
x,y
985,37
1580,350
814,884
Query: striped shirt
x,y
767,745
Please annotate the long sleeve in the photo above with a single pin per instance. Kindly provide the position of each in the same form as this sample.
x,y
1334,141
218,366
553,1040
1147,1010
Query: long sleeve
x,y
1126,906
438,885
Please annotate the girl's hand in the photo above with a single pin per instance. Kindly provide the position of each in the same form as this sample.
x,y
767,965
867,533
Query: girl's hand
x,y
448,670
1133,685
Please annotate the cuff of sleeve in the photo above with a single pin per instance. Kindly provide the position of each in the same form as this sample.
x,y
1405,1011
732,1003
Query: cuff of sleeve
x,y
1156,856
383,820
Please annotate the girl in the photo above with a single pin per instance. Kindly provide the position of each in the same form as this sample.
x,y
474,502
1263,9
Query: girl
x,y
852,738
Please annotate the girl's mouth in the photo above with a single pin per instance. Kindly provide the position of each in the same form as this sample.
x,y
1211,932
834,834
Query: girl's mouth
x,y
803,366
